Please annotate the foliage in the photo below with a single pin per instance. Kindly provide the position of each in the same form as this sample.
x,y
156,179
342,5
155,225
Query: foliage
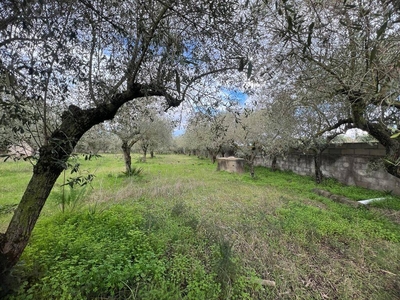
x,y
308,222
7,208
135,171
77,184
206,134
97,139
82,248
70,197
311,50
113,254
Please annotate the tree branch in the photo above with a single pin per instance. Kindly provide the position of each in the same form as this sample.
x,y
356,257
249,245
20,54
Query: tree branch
x,y
335,126
135,71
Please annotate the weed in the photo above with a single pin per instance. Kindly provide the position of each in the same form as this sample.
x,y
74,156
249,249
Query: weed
x,y
179,209
7,208
225,268
134,172
70,197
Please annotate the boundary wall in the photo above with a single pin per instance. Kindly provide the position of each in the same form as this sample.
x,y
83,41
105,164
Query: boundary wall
x,y
349,163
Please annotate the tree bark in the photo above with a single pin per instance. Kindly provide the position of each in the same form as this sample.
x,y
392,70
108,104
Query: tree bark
x,y
382,134
212,154
319,176
17,235
126,150
252,173
144,153
274,165
52,161
152,154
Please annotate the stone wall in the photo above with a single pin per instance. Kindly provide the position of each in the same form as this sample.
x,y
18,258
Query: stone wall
x,y
351,164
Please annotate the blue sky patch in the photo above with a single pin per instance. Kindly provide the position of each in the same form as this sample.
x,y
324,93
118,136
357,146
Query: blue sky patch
x,y
234,95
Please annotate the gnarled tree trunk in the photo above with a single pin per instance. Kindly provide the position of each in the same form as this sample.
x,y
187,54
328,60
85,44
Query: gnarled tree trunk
x,y
13,242
382,134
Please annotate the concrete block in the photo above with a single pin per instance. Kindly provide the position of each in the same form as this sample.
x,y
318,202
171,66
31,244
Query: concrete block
x,y
230,164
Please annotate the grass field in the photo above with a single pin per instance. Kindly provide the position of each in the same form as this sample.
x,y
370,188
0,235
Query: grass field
x,y
182,230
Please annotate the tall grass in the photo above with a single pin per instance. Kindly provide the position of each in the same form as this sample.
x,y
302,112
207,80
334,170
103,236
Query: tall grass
x,y
182,230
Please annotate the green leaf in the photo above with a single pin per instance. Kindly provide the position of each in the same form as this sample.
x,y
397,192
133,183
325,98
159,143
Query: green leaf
x,y
249,70
8,81
396,135
178,82
311,27
290,23
381,30
309,39
241,64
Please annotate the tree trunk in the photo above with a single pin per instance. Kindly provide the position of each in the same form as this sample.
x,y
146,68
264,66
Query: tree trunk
x,y
252,169
152,154
127,157
392,146
382,134
319,176
52,161
251,163
144,153
212,154
252,159
274,165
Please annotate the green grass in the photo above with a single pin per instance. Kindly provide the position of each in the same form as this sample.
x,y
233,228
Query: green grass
x,y
14,176
182,230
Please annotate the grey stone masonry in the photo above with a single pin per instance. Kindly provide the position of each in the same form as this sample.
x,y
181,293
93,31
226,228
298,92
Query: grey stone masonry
x,y
351,164
230,164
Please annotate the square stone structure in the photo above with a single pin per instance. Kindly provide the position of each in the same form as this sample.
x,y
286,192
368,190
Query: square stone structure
x,y
230,164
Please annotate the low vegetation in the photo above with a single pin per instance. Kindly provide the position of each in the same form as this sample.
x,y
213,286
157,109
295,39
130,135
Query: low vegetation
x,y
182,230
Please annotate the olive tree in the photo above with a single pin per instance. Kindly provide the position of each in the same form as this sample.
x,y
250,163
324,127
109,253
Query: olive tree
x,y
98,139
349,52
126,125
155,134
76,62
261,130
206,133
